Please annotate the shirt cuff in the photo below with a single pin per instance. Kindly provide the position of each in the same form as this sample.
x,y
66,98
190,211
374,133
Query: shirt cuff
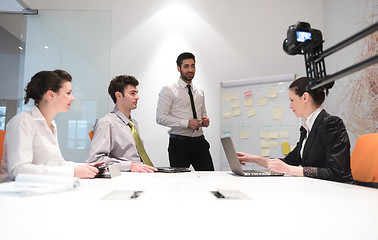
x,y
124,166
184,123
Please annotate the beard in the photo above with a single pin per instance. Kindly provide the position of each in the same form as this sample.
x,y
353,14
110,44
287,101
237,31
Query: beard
x,y
185,77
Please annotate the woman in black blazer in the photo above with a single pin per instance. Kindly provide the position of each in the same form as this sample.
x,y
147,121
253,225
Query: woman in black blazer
x,y
326,153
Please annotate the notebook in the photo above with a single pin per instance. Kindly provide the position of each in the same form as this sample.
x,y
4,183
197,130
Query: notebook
x,y
235,165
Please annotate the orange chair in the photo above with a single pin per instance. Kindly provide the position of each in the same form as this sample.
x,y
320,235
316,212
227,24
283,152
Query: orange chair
x,y
2,136
364,160
91,134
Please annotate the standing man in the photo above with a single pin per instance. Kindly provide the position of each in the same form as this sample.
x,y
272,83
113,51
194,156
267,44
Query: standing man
x,y
116,139
181,107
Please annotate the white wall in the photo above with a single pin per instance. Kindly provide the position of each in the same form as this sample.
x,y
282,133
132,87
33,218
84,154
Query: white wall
x,y
231,40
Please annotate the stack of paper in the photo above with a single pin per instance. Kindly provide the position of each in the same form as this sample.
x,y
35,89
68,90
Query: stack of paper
x,y
30,184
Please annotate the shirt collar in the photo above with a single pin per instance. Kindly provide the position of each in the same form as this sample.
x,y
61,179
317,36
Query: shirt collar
x,y
121,115
309,121
37,115
183,84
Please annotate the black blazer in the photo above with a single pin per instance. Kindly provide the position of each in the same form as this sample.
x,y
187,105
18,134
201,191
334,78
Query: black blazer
x,y
326,152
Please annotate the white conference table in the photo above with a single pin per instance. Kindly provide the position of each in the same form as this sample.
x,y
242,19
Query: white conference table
x,y
181,206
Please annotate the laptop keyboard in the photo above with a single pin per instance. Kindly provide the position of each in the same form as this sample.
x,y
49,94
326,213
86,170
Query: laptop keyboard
x,y
252,171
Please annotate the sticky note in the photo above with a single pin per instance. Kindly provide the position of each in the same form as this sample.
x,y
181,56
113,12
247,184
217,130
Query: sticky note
x,y
226,97
264,134
250,112
264,143
248,101
234,95
248,93
277,113
236,112
227,114
273,134
272,92
244,134
285,148
265,152
235,103
284,134
262,101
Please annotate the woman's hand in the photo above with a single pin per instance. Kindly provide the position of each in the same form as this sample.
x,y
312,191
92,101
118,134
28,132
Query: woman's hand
x,y
277,165
244,157
86,170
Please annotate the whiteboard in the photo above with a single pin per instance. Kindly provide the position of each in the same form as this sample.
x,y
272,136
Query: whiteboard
x,y
256,114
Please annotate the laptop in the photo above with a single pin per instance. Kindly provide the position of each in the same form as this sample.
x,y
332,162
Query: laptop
x,y
172,169
235,165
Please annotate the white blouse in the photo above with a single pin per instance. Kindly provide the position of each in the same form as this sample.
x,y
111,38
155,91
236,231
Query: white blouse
x,y
31,147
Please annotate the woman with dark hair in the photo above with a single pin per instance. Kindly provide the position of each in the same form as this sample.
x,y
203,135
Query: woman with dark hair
x,y
323,149
31,141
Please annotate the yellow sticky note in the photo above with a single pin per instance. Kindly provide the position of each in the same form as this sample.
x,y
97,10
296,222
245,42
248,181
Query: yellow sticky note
x,y
250,112
272,92
227,114
273,134
244,134
236,112
234,95
235,103
264,143
277,113
264,134
263,101
284,134
285,148
225,97
248,101
265,152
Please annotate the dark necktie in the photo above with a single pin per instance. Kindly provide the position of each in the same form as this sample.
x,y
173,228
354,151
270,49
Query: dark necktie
x,y
301,138
142,152
192,102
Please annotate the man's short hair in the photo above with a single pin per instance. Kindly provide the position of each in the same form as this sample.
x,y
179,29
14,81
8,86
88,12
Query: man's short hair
x,y
119,83
183,56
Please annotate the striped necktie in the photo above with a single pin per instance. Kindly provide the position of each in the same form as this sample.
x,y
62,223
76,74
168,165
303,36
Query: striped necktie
x,y
142,152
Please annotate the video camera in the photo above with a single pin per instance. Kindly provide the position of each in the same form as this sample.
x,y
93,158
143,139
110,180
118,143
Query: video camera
x,y
298,36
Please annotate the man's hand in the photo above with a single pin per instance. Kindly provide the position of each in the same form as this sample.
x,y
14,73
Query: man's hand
x,y
140,167
205,122
86,170
194,124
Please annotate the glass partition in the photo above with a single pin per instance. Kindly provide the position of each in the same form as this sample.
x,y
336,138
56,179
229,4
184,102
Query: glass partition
x,y
12,49
78,42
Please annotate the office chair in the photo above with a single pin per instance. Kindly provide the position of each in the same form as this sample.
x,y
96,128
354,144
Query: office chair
x,y
2,136
91,134
364,160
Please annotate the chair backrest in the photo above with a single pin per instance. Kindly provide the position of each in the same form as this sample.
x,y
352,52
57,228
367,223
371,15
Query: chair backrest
x,y
90,134
364,159
2,136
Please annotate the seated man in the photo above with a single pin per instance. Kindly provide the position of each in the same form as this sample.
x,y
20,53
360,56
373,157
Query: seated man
x,y
116,139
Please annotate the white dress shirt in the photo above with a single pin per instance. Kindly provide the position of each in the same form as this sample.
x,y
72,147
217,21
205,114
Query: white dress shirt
x,y
113,142
174,108
307,124
31,147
